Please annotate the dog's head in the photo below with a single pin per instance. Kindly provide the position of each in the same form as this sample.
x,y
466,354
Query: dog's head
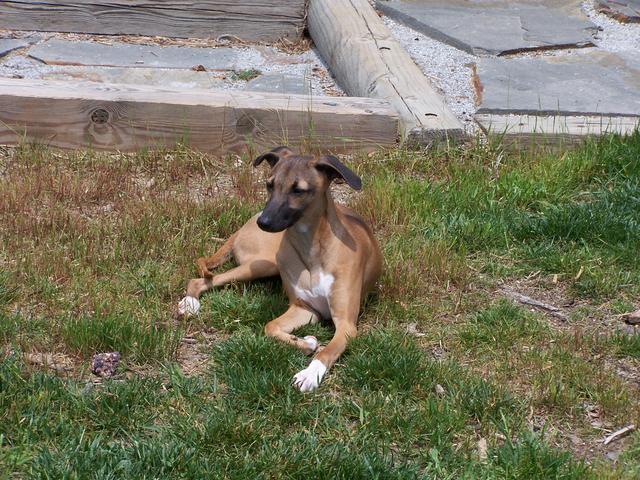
x,y
295,183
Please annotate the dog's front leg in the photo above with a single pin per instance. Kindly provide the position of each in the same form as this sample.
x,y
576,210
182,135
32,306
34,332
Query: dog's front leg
x,y
345,307
294,318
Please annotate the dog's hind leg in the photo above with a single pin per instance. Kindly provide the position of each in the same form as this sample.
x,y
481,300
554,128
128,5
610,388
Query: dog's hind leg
x,y
251,270
206,264
294,318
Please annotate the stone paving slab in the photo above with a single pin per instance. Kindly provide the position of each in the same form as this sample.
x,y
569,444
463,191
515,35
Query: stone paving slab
x,y
626,11
280,83
8,45
176,78
137,76
496,26
64,52
586,83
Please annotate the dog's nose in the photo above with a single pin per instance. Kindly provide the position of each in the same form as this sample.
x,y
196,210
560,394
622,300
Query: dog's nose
x,y
264,222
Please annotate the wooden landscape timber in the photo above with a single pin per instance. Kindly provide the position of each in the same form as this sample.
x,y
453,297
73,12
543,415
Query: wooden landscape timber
x,y
552,130
250,20
128,118
367,61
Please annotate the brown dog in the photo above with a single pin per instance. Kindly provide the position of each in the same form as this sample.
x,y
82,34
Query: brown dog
x,y
325,254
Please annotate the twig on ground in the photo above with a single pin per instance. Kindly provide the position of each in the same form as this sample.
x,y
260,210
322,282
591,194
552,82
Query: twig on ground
x,y
618,434
550,309
482,449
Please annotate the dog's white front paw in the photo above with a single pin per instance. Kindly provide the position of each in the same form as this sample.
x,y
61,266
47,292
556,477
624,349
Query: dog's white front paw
x,y
189,306
309,378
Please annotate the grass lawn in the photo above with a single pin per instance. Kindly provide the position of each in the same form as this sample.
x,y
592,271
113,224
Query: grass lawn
x,y
448,378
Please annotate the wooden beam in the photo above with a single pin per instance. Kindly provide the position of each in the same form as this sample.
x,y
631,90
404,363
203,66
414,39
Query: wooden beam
x,y
553,129
366,60
128,117
252,20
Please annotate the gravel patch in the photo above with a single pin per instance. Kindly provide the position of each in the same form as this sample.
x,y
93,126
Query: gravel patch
x,y
19,66
450,70
613,36
308,64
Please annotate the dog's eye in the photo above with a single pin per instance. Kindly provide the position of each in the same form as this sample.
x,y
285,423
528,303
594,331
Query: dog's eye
x,y
269,186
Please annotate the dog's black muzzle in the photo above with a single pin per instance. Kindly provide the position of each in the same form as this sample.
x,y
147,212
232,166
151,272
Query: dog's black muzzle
x,y
276,218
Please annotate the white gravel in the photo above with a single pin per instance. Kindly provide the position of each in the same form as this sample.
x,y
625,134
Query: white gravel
x,y
613,36
19,66
449,69
269,60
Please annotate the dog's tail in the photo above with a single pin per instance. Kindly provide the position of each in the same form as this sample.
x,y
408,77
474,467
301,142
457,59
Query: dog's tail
x,y
206,264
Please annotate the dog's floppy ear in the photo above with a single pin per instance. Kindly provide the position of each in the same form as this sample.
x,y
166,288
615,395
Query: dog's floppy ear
x,y
273,156
334,168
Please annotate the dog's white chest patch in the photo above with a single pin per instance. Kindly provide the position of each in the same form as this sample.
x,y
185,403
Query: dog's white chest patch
x,y
318,293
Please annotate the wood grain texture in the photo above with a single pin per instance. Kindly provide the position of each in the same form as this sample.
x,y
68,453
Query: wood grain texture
x,y
367,61
553,129
128,117
252,20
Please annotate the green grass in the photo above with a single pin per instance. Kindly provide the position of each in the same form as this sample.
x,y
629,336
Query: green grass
x,y
95,251
122,333
628,344
246,75
500,326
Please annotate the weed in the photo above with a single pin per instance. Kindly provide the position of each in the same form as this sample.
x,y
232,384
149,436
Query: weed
x,y
246,75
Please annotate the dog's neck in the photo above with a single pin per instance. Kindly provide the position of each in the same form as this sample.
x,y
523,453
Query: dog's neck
x,y
306,234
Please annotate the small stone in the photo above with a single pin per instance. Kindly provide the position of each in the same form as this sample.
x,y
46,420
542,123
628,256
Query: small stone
x,y
613,456
105,364
439,390
632,318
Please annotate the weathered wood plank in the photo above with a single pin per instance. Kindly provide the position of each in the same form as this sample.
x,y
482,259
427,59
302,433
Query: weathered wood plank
x,y
367,60
128,117
252,20
553,129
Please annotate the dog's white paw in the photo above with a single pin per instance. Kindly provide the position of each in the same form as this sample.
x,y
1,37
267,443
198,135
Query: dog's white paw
x,y
309,378
312,342
189,306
